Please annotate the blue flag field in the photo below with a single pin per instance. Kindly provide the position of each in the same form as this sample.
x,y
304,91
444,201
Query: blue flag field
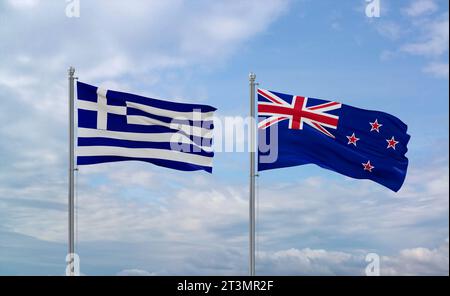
x,y
357,143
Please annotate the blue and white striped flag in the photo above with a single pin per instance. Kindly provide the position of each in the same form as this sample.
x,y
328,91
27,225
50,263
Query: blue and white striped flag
x,y
116,126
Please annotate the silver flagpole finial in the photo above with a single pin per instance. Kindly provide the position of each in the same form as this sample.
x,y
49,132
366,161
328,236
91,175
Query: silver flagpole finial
x,y
71,71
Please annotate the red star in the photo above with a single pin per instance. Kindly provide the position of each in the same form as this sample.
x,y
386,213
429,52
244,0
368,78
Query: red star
x,y
391,143
367,166
352,139
375,126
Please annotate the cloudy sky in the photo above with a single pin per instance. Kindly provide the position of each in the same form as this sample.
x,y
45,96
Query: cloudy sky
x,y
138,219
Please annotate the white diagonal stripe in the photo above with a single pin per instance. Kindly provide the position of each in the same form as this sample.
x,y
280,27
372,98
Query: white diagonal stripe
x,y
267,94
272,119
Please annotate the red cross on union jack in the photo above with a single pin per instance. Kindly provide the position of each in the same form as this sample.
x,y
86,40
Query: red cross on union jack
x,y
297,113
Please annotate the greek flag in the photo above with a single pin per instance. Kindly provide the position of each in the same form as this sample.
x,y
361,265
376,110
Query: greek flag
x,y
116,126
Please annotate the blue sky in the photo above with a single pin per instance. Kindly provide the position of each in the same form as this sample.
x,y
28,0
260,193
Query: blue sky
x,y
134,218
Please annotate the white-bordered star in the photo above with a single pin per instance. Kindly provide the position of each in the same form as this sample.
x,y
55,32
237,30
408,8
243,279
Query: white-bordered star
x,y
375,126
352,139
368,166
391,143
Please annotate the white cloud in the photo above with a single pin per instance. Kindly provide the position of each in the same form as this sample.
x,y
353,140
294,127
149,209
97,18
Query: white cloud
x,y
434,41
430,38
437,69
387,55
418,261
130,177
421,7
160,38
428,32
389,30
308,262
200,216
23,4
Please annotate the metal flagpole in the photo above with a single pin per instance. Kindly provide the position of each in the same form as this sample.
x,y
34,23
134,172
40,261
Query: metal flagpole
x,y
252,78
71,172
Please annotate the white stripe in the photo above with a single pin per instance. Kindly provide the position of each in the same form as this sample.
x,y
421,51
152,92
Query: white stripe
x,y
172,114
92,106
186,128
143,137
102,113
145,153
326,109
322,112
102,92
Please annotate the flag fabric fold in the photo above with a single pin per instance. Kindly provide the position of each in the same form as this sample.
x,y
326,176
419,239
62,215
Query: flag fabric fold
x,y
117,126
357,143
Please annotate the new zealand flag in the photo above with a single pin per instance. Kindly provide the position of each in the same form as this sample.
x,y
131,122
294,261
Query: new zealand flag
x,y
358,143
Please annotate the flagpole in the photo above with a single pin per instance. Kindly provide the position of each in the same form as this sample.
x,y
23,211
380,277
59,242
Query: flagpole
x,y
71,72
252,78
